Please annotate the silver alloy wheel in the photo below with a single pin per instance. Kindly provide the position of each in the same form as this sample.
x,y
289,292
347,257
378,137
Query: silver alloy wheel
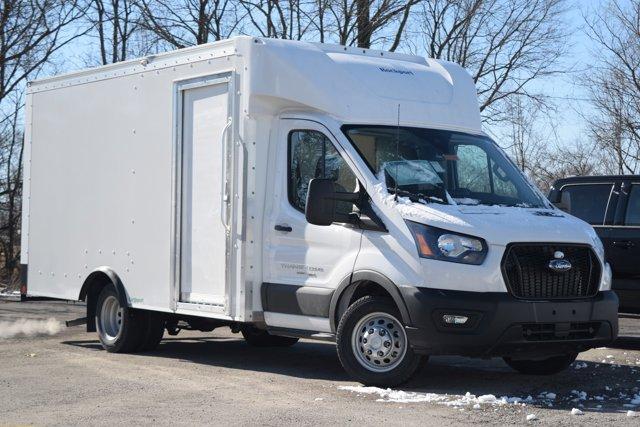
x,y
110,319
379,342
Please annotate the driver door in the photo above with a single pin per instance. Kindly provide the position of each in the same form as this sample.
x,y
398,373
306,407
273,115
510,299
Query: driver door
x,y
304,263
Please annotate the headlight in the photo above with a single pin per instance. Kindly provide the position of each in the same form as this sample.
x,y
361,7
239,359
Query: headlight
x,y
436,243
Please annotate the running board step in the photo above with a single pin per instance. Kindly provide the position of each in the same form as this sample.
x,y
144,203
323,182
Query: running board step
x,y
297,333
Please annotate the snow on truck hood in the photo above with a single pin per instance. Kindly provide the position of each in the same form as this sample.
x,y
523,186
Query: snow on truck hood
x,y
498,225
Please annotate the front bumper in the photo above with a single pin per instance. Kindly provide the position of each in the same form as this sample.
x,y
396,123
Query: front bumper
x,y
501,325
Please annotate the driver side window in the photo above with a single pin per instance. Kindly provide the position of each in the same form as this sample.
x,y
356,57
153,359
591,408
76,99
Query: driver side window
x,y
473,169
478,174
312,155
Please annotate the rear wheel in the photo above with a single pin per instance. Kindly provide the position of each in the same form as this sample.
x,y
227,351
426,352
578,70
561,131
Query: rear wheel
x,y
261,338
119,328
372,343
549,366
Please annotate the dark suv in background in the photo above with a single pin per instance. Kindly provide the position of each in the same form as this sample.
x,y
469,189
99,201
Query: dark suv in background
x,y
612,205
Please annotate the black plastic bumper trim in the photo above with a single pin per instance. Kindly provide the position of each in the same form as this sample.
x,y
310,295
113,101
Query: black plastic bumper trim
x,y
299,300
501,322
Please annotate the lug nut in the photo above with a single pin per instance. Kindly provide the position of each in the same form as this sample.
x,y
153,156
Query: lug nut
x,y
381,332
380,353
387,344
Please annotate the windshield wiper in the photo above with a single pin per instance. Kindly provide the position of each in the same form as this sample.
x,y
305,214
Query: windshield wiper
x,y
417,197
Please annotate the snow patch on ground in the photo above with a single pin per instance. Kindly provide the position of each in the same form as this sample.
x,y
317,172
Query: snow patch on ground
x,y
400,396
29,328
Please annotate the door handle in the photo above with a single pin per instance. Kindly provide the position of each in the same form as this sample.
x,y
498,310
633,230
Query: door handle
x,y
624,244
225,198
284,228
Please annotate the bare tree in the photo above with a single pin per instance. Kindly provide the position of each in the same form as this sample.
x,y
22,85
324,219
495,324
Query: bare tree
x,y
181,23
580,158
115,23
505,44
11,149
365,23
288,19
525,142
528,134
614,83
31,31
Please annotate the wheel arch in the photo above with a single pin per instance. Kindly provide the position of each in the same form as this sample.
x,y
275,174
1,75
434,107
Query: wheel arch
x,y
360,283
91,288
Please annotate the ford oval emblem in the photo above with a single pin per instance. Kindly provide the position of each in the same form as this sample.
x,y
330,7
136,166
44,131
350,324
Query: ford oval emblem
x,y
559,265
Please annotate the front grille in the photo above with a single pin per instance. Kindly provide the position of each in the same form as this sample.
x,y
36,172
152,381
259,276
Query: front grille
x,y
526,271
559,331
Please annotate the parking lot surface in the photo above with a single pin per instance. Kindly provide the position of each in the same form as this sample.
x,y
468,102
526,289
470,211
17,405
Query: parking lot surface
x,y
216,378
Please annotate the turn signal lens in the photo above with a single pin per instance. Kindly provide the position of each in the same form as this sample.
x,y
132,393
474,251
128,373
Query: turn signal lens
x,y
425,250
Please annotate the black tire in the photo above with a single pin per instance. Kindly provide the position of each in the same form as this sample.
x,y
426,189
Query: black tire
x,y
549,366
261,338
405,366
154,330
130,334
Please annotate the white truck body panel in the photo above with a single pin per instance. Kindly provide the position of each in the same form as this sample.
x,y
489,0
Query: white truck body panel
x,y
106,149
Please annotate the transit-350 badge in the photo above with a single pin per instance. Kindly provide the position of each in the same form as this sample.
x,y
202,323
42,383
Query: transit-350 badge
x,y
558,263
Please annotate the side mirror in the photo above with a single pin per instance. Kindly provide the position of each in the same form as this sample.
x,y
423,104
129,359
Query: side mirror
x,y
321,202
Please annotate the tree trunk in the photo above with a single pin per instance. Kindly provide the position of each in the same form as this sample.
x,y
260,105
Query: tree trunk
x,y
363,23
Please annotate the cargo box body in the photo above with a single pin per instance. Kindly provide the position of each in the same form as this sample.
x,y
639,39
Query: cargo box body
x,y
105,187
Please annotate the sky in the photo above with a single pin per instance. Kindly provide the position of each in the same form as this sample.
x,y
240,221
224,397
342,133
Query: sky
x,y
568,96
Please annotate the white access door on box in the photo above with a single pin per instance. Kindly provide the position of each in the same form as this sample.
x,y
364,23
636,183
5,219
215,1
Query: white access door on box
x,y
205,126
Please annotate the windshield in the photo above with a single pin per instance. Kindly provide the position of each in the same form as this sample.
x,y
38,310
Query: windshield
x,y
437,166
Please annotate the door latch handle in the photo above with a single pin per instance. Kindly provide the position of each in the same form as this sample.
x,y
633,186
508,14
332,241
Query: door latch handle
x,y
625,244
284,228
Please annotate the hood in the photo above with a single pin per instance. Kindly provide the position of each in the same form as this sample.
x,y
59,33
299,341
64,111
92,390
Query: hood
x,y
498,225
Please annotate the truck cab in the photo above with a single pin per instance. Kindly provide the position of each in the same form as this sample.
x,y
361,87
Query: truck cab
x,y
611,205
442,225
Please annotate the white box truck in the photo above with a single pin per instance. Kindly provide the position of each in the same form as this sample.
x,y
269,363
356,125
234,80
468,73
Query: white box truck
x,y
289,189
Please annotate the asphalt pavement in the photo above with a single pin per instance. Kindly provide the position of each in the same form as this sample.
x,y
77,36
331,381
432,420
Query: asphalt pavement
x,y
217,379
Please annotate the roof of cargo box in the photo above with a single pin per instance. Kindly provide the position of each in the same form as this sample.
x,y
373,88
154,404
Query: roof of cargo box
x,y
363,86
354,85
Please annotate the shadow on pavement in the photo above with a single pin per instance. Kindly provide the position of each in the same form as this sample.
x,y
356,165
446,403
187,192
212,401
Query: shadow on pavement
x,y
602,382
306,359
626,343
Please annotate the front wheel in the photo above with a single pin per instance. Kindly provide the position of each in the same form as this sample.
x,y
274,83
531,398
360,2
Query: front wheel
x,y
549,366
372,344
